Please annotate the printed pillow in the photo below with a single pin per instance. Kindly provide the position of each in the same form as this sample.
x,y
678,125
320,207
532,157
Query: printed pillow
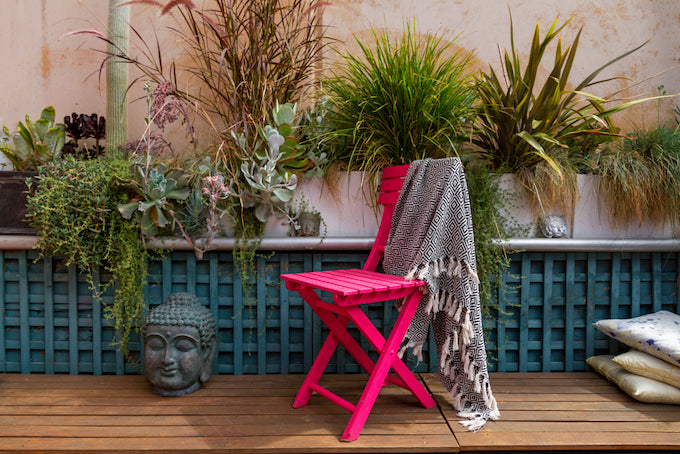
x,y
641,363
636,386
657,334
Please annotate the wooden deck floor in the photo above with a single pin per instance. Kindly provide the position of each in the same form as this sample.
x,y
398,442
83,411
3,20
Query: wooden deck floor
x,y
541,412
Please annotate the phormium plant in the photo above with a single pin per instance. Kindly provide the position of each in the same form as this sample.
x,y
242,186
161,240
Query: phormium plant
x,y
534,125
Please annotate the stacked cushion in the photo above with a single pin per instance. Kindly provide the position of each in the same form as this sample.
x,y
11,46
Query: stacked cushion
x,y
651,371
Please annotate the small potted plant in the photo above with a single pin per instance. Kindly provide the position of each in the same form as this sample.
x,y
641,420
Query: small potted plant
x,y
305,220
30,146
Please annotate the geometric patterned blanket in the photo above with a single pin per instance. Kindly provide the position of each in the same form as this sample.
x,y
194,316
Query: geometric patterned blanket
x,y
431,239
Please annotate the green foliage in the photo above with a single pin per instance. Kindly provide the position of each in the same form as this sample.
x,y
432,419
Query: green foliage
x,y
398,101
279,46
487,201
155,191
73,207
640,176
526,121
34,143
268,178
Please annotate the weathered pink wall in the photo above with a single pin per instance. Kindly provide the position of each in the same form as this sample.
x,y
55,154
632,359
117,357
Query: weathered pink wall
x,y
41,67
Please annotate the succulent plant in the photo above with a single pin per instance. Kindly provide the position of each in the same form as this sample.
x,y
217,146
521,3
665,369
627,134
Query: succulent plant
x,y
34,143
80,127
155,191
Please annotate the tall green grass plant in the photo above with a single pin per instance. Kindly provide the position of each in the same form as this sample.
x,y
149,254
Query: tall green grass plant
x,y
397,101
640,176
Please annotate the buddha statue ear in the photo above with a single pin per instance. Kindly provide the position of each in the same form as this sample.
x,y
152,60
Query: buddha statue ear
x,y
206,363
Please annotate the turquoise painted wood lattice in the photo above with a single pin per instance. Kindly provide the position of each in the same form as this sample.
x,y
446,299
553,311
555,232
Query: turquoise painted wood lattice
x,y
549,300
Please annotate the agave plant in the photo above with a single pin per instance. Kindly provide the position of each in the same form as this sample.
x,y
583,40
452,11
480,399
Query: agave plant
x,y
534,126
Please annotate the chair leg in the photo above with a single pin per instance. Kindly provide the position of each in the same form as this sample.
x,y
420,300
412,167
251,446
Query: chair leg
x,y
316,371
377,378
378,341
338,333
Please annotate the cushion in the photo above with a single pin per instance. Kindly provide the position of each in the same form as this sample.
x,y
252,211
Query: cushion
x,y
641,363
636,386
657,334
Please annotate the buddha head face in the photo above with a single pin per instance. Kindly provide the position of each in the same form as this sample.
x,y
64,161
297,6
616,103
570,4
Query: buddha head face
x,y
179,344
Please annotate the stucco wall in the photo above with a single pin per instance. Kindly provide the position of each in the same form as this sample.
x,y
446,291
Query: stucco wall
x,y
40,66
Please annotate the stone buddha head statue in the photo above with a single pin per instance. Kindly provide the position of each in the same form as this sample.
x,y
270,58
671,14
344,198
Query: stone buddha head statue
x,y
179,344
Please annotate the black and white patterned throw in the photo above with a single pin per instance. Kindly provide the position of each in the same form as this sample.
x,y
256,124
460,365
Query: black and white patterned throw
x,y
431,238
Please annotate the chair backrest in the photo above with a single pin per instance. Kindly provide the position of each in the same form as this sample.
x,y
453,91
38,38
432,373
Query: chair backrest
x,y
390,185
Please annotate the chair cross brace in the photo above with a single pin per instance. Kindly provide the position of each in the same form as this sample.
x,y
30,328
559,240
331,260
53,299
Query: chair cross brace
x,y
337,317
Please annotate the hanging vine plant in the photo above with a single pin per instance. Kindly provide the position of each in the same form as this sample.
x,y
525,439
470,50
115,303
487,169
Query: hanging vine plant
x,y
73,207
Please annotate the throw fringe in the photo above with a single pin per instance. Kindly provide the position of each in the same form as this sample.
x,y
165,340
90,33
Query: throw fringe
x,y
448,265
451,302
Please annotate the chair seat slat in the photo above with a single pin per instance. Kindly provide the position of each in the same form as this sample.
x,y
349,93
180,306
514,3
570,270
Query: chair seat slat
x,y
351,281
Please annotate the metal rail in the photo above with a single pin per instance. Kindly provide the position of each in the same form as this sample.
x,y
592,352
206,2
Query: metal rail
x,y
19,242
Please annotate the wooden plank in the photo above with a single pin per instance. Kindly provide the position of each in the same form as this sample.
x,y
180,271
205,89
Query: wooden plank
x,y
213,272
529,416
581,426
316,404
24,328
3,344
73,321
585,416
231,428
48,308
581,411
570,301
568,440
261,315
524,314
590,303
284,302
401,402
263,444
546,339
54,417
301,419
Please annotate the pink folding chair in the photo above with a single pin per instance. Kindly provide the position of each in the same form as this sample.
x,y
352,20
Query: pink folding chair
x,y
350,289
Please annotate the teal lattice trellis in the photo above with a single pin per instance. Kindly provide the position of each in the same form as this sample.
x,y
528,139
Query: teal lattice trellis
x,y
50,323
553,299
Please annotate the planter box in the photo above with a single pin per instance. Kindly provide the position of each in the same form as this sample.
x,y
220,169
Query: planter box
x,y
591,220
345,207
13,203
